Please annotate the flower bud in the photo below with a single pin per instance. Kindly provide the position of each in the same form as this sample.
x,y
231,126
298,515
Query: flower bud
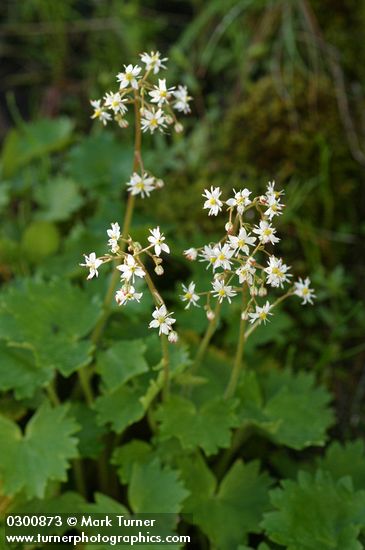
x,y
159,270
229,227
179,128
159,184
169,119
191,254
173,337
262,291
210,315
244,315
253,290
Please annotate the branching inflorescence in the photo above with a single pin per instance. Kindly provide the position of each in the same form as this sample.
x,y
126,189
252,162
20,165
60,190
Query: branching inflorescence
x,y
242,262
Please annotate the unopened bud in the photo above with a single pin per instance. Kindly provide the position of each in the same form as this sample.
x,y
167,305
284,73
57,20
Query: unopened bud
x,y
169,119
159,184
179,128
229,227
244,315
253,290
210,315
137,247
159,270
191,254
173,337
262,291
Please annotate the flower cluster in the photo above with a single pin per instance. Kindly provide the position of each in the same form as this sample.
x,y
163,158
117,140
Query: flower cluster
x,y
243,261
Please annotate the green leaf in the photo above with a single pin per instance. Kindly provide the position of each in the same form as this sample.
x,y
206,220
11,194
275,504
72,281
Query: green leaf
x,y
125,457
41,317
40,240
19,372
316,512
40,455
58,198
287,407
345,460
90,436
120,408
209,427
34,140
155,489
99,160
226,514
121,362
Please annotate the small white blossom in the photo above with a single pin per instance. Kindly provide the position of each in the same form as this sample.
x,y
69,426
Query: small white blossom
x,y
274,207
100,112
141,185
223,291
153,61
213,202
209,254
162,320
223,254
271,192
277,272
130,268
92,262
191,254
114,232
240,200
115,102
182,99
189,295
241,242
127,294
246,272
266,232
153,119
303,291
173,337
260,314
129,76
157,240
160,94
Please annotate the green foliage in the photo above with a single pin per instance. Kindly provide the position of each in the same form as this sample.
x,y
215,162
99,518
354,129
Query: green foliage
x,y
229,512
287,407
58,199
121,362
40,455
316,512
40,239
209,427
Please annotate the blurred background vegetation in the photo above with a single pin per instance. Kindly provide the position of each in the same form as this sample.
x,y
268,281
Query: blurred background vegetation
x,y
278,92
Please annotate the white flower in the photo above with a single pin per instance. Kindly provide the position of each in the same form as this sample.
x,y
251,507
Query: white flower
x,y
266,232
126,294
240,200
241,242
223,256
223,291
160,94
115,102
130,268
246,271
209,254
303,291
277,272
157,240
189,295
153,119
100,112
141,185
191,254
122,122
92,262
213,202
182,99
129,76
153,61
114,232
274,207
162,320
260,314
173,337
270,191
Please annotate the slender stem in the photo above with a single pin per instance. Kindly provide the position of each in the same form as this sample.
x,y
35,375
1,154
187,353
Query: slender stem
x,y
99,327
240,436
207,337
52,394
238,363
166,361
79,477
83,375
